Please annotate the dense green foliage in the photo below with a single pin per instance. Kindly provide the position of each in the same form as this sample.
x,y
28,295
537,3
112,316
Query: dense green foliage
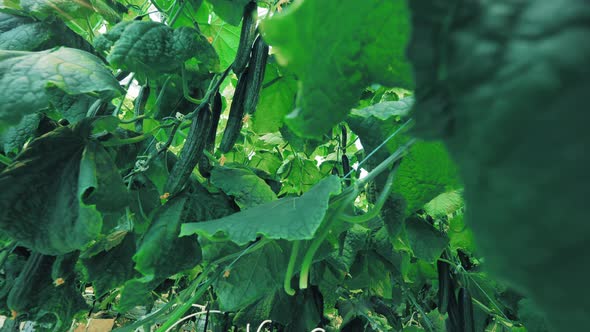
x,y
156,155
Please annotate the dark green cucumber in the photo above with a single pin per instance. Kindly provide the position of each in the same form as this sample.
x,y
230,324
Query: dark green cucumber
x,y
343,138
256,69
345,168
191,152
35,275
247,36
216,109
453,310
139,106
466,310
444,285
236,114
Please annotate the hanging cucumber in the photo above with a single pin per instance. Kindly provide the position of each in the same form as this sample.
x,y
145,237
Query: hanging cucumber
x,y
466,310
444,288
192,150
216,109
256,69
247,36
139,106
236,113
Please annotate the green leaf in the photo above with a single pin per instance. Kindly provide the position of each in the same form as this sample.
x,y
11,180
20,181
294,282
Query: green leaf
x,y
161,253
357,238
15,137
426,242
291,218
251,277
136,292
44,9
40,296
161,50
424,173
111,268
70,10
445,204
98,171
376,123
460,235
334,60
25,76
71,108
276,100
62,178
230,11
266,161
20,33
525,189
385,111
241,183
370,273
223,36
300,174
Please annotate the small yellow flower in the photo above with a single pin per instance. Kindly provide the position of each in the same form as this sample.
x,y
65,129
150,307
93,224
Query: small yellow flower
x,y
222,160
59,282
165,196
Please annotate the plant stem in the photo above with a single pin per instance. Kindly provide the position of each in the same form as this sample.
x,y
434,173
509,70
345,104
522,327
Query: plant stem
x,y
290,268
5,160
180,311
378,205
397,155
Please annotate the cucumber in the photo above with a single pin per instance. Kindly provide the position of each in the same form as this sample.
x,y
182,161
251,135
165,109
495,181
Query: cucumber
x,y
191,152
236,114
453,309
466,310
444,285
139,106
247,36
29,283
256,69
216,109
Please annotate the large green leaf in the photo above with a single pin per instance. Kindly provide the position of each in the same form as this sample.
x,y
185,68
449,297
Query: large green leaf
x,y
498,88
425,172
70,107
277,99
111,268
223,36
230,11
336,48
13,139
36,296
69,10
291,218
25,77
161,252
252,277
22,33
152,47
427,242
52,190
241,183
